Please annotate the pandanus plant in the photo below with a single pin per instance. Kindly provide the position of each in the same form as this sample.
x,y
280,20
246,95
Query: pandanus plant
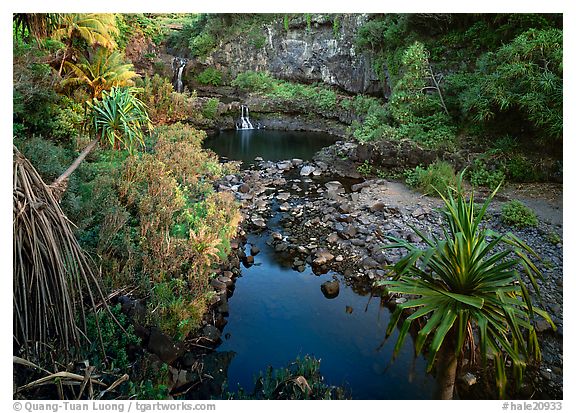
x,y
469,281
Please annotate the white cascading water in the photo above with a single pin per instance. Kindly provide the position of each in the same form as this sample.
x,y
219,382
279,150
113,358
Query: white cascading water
x,y
244,122
178,65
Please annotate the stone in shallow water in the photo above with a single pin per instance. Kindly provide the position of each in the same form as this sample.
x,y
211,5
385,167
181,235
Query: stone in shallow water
x,y
284,207
330,289
283,196
307,170
334,186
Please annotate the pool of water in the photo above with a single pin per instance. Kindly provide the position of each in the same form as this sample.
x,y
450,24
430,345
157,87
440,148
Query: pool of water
x,y
278,314
270,145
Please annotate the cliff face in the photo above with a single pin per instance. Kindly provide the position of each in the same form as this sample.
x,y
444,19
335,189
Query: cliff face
x,y
321,51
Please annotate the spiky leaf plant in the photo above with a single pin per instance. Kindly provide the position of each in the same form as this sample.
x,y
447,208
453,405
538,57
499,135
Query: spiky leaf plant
x,y
469,280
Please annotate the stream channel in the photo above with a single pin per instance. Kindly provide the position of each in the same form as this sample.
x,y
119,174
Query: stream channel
x,y
277,314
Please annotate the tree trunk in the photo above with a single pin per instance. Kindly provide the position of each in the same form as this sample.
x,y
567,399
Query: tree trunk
x,y
61,183
447,367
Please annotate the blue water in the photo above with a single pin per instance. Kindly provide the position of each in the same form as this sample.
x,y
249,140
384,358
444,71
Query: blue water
x,y
271,145
277,314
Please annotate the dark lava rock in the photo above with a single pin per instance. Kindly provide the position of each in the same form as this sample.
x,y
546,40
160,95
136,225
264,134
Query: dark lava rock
x,y
254,250
211,333
218,285
163,346
330,289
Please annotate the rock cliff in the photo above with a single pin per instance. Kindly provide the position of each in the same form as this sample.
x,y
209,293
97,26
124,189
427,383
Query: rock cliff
x,y
319,50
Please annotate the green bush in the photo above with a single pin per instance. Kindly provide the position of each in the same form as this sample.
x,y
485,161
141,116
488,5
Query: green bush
x,y
210,76
364,169
438,176
521,169
519,215
115,340
210,108
479,175
254,81
202,45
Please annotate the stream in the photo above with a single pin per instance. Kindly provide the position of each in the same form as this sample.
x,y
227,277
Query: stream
x,y
277,314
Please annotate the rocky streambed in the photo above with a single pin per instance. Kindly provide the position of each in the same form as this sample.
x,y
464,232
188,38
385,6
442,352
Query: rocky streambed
x,y
320,215
309,250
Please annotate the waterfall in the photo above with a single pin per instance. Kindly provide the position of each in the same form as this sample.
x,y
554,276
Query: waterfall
x,y
178,65
244,121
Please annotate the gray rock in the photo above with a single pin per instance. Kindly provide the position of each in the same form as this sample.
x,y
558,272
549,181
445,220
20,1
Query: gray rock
x,y
218,285
283,196
334,186
349,232
370,263
284,165
284,207
211,333
421,212
259,222
307,170
332,238
377,207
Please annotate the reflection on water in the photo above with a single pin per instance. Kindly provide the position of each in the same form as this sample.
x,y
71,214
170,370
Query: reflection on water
x,y
245,145
277,314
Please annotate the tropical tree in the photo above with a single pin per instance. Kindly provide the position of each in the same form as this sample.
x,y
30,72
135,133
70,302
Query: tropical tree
x,y
101,71
118,119
38,25
465,282
52,277
93,28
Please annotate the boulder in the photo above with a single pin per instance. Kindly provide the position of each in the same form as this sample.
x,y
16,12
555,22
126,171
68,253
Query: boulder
x,y
334,186
244,188
307,170
163,346
330,289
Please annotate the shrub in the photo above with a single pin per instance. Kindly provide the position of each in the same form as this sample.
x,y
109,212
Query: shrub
x,y
519,215
116,341
202,45
480,175
210,108
165,105
210,76
438,176
365,169
254,81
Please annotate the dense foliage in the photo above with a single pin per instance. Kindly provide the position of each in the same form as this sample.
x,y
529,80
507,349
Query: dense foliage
x,y
500,73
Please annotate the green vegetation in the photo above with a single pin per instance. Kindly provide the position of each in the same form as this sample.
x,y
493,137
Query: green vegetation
x,y
519,215
438,177
464,283
210,76
317,98
301,380
148,220
479,175
210,108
